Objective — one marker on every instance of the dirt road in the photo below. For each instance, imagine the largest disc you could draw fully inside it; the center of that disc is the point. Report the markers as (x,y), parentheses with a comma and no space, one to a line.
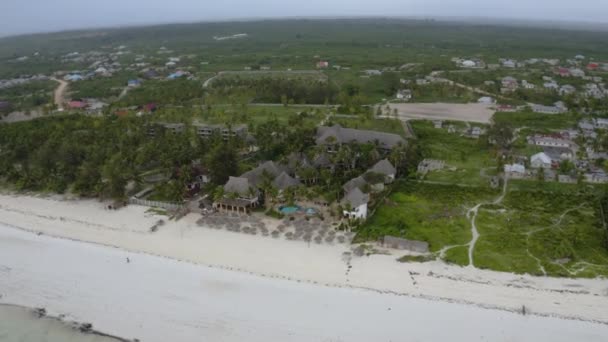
(472,112)
(60,93)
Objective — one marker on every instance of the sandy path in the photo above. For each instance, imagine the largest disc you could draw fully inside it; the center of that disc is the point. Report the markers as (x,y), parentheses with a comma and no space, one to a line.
(472,214)
(324,264)
(60,93)
(469,112)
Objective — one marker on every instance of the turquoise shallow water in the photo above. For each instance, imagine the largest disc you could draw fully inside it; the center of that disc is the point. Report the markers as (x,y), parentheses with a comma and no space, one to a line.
(23,325)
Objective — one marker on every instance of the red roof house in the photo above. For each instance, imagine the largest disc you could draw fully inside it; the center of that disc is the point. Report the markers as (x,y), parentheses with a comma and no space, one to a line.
(77,104)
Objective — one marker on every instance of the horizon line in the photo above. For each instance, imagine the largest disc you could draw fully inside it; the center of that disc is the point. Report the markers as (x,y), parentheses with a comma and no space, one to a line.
(497,21)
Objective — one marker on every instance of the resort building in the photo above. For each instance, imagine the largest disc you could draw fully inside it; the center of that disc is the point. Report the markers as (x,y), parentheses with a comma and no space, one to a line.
(334,136)
(355,204)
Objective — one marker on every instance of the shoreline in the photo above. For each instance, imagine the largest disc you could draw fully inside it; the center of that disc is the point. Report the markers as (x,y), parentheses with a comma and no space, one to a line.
(317,283)
(585,299)
(73,326)
(159,299)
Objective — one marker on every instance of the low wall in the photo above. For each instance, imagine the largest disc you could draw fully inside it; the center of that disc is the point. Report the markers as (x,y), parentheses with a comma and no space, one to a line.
(163,205)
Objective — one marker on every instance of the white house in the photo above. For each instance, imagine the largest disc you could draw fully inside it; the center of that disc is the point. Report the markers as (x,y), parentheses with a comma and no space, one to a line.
(515,170)
(404,94)
(601,123)
(550,142)
(355,204)
(567,89)
(527,85)
(487,100)
(468,64)
(540,160)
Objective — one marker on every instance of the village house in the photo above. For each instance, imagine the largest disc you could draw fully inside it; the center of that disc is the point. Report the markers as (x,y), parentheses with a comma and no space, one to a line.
(509,84)
(540,140)
(548,109)
(596,177)
(372,72)
(322,64)
(133,83)
(174,128)
(487,100)
(506,108)
(428,165)
(509,63)
(334,136)
(527,85)
(515,171)
(575,72)
(354,204)
(566,179)
(567,89)
(540,160)
(77,104)
(562,72)
(601,123)
(551,85)
(404,94)
(558,154)
(474,132)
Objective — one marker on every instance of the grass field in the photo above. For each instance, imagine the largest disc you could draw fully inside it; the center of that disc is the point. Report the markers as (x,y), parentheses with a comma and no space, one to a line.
(542,233)
(427,212)
(472,158)
(537,121)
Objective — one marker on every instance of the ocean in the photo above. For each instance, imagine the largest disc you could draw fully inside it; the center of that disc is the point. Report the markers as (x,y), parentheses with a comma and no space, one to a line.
(18,324)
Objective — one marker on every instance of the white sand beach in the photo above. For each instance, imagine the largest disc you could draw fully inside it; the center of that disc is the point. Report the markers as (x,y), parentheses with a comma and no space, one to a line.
(159,299)
(35,270)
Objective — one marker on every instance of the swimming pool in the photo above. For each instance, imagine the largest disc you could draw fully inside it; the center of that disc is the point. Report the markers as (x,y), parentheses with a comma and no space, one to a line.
(290,210)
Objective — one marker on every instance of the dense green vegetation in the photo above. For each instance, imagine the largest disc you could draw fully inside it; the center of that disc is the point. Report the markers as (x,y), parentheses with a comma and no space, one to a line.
(90,156)
(29,95)
(175,92)
(272,90)
(469,161)
(427,212)
(537,121)
(552,233)
(357,43)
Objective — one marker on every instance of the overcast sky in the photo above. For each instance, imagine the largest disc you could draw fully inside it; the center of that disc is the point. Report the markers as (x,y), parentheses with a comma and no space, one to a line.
(24,16)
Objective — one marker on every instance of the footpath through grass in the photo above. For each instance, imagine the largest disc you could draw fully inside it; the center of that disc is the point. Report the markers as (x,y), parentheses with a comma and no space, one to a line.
(426,212)
(543,233)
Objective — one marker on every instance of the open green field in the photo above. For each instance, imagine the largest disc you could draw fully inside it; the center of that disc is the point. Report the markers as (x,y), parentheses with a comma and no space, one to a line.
(472,159)
(553,231)
(537,121)
(427,212)
(543,233)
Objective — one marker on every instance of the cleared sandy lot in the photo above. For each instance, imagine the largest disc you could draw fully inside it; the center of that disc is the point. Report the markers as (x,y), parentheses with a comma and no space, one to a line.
(472,112)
